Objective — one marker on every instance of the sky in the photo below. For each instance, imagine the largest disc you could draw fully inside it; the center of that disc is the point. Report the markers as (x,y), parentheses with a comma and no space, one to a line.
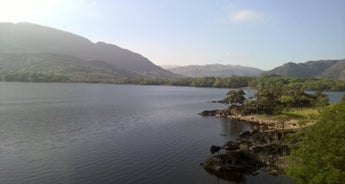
(256,33)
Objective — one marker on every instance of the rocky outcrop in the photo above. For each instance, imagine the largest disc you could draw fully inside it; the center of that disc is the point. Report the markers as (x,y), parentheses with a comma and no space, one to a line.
(251,151)
(265,147)
(261,121)
(209,113)
(234,161)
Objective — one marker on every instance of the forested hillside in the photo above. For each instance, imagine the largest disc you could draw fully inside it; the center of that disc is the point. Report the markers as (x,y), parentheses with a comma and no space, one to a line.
(325,69)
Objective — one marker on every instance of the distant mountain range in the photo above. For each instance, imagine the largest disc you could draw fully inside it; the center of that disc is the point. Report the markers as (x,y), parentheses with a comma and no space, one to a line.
(26,47)
(216,70)
(326,69)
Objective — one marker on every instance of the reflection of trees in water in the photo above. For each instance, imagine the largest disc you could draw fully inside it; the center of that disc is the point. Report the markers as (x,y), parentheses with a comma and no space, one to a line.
(235,177)
(232,128)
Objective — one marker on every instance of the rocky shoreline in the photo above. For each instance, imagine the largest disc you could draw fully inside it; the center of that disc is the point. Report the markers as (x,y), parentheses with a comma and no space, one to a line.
(259,121)
(262,148)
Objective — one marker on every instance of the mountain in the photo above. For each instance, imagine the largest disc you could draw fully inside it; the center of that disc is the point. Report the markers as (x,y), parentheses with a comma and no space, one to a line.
(75,69)
(326,69)
(216,70)
(26,39)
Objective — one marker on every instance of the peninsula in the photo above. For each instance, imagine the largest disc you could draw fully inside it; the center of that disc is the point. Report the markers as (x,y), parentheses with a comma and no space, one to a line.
(277,111)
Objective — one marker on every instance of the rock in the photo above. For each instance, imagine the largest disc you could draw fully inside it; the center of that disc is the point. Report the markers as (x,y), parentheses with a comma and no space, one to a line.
(215,149)
(236,161)
(231,146)
(209,113)
(245,134)
(215,101)
(274,172)
(263,152)
(261,148)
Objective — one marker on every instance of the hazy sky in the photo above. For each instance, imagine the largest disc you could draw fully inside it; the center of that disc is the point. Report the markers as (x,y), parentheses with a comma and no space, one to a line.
(257,33)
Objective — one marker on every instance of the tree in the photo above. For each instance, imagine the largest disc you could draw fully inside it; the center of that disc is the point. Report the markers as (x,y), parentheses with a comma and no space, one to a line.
(321,99)
(320,155)
(234,97)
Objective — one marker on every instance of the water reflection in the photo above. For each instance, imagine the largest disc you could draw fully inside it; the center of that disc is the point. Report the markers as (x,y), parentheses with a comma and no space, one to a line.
(234,177)
(232,128)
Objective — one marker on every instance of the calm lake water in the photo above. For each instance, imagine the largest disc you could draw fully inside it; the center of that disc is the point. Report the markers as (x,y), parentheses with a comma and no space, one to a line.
(97,133)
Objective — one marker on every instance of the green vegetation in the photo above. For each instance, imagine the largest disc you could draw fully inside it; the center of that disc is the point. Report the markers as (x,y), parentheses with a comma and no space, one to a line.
(230,82)
(311,84)
(34,77)
(237,82)
(96,73)
(275,94)
(318,150)
(319,156)
(305,114)
(218,82)
(235,97)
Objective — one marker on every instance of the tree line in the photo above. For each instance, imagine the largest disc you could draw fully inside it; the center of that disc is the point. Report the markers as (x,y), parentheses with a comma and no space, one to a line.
(216,82)
(274,97)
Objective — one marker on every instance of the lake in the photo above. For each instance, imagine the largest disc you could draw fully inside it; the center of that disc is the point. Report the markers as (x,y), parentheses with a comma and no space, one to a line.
(98,133)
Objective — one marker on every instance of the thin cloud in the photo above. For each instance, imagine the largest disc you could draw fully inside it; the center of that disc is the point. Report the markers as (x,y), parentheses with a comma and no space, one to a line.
(247,16)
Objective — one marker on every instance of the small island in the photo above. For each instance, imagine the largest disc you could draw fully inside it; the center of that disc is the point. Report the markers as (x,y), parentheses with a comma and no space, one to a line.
(281,114)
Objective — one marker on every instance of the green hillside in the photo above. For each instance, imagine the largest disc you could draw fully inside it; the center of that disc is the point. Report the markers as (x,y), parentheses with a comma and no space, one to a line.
(325,69)
(47,64)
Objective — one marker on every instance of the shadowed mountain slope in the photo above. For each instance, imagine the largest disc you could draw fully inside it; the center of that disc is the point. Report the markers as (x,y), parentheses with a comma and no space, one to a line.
(27,38)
